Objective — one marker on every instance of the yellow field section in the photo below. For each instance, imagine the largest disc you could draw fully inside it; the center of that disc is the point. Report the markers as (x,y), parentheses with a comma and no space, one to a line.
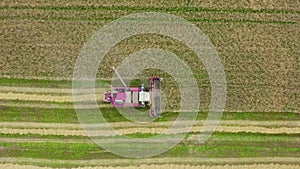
(8,89)
(256,41)
(154,130)
(49,98)
(241,123)
(292,5)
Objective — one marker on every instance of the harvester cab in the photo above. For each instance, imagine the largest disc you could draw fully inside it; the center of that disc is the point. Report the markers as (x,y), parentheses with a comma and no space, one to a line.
(125,96)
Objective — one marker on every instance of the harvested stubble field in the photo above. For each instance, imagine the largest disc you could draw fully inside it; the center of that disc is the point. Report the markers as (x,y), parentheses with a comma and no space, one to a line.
(257,41)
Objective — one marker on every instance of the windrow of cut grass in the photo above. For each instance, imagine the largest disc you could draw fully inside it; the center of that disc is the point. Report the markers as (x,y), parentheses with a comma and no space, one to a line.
(62,115)
(232,163)
(164,124)
(36,104)
(50,98)
(144,130)
(48,105)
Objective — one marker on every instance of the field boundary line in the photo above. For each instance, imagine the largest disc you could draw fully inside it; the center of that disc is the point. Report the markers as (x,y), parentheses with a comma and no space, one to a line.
(191,161)
(233,123)
(167,166)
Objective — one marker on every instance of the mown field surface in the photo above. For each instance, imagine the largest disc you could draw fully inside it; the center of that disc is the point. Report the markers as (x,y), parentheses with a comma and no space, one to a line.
(37,133)
(257,41)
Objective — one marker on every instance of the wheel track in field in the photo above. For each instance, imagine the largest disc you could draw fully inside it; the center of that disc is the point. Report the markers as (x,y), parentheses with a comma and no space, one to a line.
(240,123)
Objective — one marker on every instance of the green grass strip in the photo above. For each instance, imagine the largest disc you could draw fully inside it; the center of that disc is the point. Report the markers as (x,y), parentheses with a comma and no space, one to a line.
(85,151)
(216,136)
(61,115)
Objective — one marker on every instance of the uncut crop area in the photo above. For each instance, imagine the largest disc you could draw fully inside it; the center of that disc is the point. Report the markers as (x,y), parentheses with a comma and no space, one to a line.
(257,42)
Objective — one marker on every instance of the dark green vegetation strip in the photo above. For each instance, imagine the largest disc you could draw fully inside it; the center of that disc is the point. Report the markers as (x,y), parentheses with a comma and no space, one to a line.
(37,115)
(109,19)
(60,115)
(150,9)
(219,145)
(35,83)
(45,83)
(216,136)
(212,149)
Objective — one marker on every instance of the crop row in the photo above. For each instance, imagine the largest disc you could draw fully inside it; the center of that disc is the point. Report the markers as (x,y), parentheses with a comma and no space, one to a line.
(110,19)
(163,7)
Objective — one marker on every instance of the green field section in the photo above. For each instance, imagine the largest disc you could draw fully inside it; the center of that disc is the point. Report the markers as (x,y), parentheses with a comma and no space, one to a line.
(220,145)
(217,136)
(62,115)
